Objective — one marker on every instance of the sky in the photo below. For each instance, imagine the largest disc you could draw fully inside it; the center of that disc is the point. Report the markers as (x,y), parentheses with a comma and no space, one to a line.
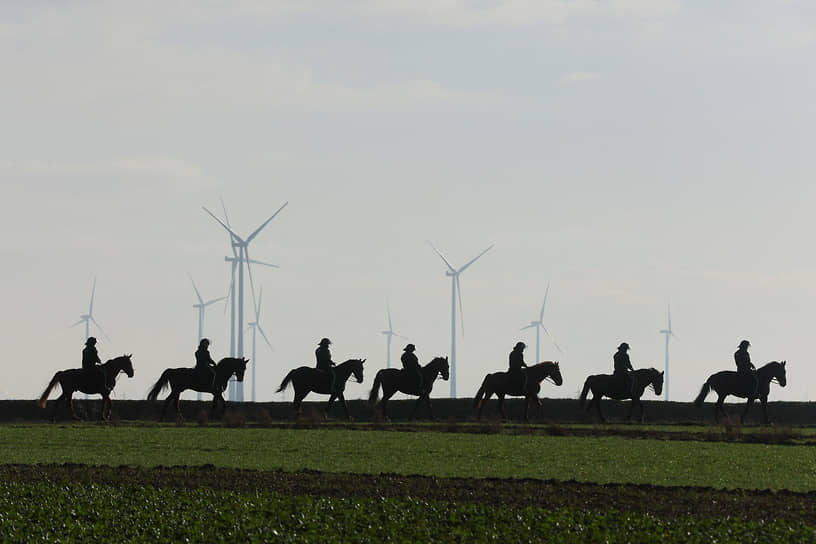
(630,154)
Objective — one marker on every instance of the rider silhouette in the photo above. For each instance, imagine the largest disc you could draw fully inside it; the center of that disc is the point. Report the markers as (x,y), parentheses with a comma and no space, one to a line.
(516,372)
(90,359)
(324,360)
(204,362)
(744,365)
(623,367)
(410,364)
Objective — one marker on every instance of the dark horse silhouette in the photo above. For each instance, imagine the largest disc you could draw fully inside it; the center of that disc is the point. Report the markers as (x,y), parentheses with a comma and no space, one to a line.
(306,379)
(395,379)
(500,384)
(90,382)
(181,379)
(729,382)
(609,385)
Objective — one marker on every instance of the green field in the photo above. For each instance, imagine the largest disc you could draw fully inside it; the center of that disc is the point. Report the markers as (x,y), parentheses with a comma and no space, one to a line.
(590,459)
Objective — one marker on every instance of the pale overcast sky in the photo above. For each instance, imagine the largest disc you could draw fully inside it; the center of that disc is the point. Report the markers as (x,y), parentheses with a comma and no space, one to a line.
(627,152)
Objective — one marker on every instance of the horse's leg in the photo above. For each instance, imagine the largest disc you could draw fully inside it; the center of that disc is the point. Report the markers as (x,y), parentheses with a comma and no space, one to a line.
(501,406)
(56,407)
(527,400)
(105,399)
(764,401)
(166,403)
(597,400)
(718,407)
(748,404)
(70,401)
(300,394)
(416,405)
(345,406)
(428,402)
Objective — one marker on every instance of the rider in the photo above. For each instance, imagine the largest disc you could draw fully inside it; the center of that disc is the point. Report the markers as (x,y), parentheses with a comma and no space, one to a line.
(410,364)
(516,372)
(744,365)
(623,367)
(204,362)
(324,360)
(90,359)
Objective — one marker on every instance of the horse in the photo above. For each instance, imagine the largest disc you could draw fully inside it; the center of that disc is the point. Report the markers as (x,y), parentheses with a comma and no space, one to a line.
(90,382)
(306,379)
(728,382)
(392,380)
(500,384)
(181,379)
(614,387)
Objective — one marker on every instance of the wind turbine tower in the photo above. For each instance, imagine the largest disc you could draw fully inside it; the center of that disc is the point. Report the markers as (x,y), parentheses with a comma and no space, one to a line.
(388,335)
(201,306)
(539,326)
(456,292)
(256,328)
(669,333)
(241,247)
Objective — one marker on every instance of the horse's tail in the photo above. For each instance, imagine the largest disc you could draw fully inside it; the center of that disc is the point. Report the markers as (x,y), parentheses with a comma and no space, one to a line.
(477,400)
(285,381)
(51,385)
(375,389)
(160,385)
(584,392)
(703,393)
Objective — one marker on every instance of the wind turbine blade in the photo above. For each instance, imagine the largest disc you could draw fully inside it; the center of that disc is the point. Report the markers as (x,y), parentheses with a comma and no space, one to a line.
(258,310)
(265,223)
(461,311)
(452,269)
(213,301)
(200,300)
(82,320)
(93,292)
(263,335)
(224,207)
(528,327)
(388,309)
(543,304)
(223,225)
(400,336)
(669,319)
(473,260)
(251,281)
(253,261)
(552,339)
(99,327)
(227,298)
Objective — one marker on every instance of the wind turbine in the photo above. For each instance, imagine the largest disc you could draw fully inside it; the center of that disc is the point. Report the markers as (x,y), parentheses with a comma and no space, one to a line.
(388,335)
(539,326)
(240,247)
(256,328)
(89,318)
(456,291)
(669,333)
(201,305)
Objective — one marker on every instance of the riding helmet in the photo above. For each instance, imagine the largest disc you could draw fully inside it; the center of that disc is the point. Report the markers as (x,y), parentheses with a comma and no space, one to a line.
(744,344)
(623,346)
(410,347)
(324,342)
(90,341)
(520,345)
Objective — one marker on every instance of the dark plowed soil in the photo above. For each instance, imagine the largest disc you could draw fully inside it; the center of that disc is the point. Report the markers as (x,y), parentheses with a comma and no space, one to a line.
(660,501)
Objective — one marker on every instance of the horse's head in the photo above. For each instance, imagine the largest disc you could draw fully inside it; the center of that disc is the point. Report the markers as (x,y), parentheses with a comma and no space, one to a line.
(233,365)
(357,369)
(121,364)
(779,372)
(440,366)
(555,374)
(657,381)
